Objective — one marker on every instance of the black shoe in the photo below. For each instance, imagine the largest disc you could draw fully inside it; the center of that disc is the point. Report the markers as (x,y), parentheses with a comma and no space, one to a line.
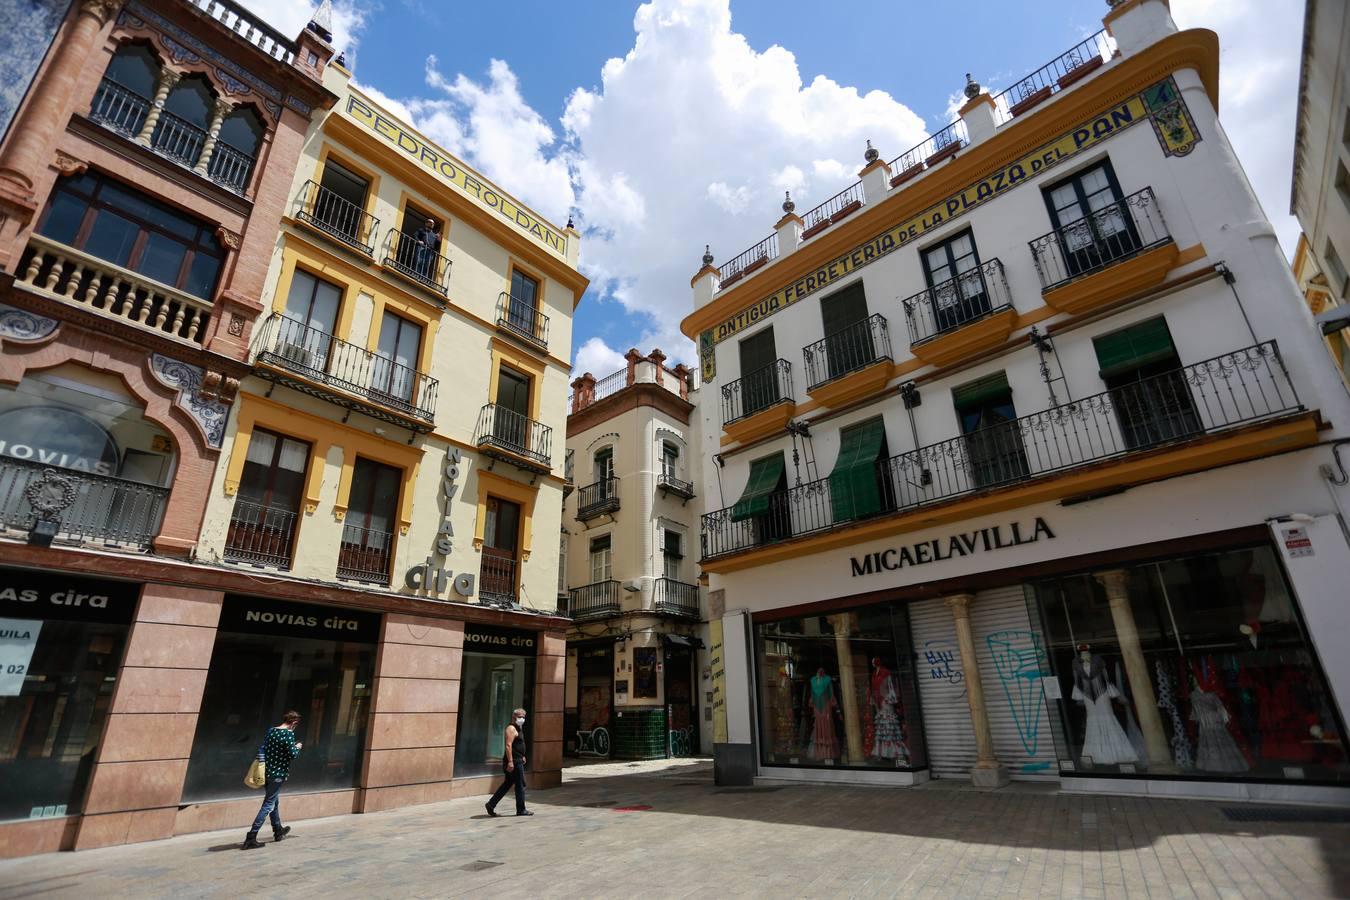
(525,813)
(281,834)
(490,811)
(251,842)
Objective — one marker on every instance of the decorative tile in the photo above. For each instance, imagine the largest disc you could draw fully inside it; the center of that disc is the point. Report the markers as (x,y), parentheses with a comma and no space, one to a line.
(209,414)
(24,327)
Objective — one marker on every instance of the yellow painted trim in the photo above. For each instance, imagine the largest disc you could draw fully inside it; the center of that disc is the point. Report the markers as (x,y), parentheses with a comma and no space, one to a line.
(408,460)
(514,357)
(412,312)
(853,386)
(273,418)
(291,259)
(1254,442)
(1188,255)
(1115,281)
(492,484)
(968,340)
(762,423)
(372,279)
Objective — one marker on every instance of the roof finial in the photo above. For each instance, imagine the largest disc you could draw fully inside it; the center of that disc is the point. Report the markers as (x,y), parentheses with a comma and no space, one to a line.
(788,205)
(707,255)
(972,87)
(321,23)
(871,153)
(569,222)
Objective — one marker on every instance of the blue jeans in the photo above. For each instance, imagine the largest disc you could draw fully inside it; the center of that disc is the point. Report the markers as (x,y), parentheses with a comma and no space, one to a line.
(271,805)
(514,778)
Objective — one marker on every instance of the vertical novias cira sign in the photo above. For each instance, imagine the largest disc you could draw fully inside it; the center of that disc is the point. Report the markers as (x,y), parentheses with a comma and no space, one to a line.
(434,576)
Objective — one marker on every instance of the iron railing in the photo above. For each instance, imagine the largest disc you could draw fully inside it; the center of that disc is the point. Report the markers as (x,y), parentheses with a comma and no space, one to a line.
(260,535)
(522,319)
(930,151)
(598,599)
(497,576)
(113,511)
(756,391)
(744,263)
(337,217)
(667,481)
(119,108)
(508,430)
(847,350)
(610,384)
(842,204)
(178,139)
(1235,389)
(1112,234)
(1062,71)
(230,168)
(950,304)
(248,27)
(331,361)
(365,554)
(569,467)
(598,498)
(413,259)
(675,598)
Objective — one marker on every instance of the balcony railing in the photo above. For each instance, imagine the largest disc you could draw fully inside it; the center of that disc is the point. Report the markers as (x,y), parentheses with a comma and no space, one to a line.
(847,350)
(178,139)
(230,168)
(930,151)
(675,598)
(69,275)
(756,257)
(594,600)
(413,259)
(598,498)
(1062,71)
(609,385)
(289,344)
(103,509)
(337,217)
(522,319)
(1112,234)
(667,481)
(844,203)
(497,576)
(248,27)
(365,554)
(958,301)
(260,535)
(569,469)
(756,391)
(119,108)
(520,435)
(1208,397)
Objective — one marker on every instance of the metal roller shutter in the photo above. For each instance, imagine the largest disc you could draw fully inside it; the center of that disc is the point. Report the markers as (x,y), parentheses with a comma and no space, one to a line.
(942,690)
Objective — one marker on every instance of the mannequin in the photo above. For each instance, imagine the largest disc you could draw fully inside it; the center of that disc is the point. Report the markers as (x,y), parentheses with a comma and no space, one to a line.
(889,742)
(1215,749)
(824,742)
(1103,740)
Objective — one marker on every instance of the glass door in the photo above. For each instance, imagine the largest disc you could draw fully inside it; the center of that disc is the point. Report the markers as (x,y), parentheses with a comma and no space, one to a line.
(397,356)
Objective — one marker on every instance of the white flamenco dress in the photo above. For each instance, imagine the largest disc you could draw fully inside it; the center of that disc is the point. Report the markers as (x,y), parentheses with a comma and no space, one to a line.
(1104,741)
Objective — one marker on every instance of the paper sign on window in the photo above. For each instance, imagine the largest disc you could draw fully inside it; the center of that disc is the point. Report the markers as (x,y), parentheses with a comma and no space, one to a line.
(18,637)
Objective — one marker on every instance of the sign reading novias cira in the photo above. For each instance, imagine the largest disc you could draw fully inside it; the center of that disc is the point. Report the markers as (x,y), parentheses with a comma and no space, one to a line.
(967,543)
(434,576)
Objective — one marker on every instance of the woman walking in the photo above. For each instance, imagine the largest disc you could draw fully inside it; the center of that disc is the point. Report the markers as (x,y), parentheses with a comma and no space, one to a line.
(513,764)
(279,749)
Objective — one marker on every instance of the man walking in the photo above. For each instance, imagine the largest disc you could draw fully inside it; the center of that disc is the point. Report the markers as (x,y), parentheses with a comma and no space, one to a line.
(279,749)
(513,764)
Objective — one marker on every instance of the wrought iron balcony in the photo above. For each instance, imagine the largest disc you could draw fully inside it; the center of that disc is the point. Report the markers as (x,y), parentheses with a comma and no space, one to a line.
(748,261)
(847,350)
(1073,65)
(365,554)
(178,139)
(1104,237)
(675,598)
(595,600)
(497,577)
(358,378)
(111,511)
(230,168)
(119,108)
(597,499)
(415,260)
(757,391)
(337,217)
(937,147)
(1197,400)
(260,535)
(668,482)
(609,385)
(835,209)
(958,301)
(522,320)
(569,472)
(522,437)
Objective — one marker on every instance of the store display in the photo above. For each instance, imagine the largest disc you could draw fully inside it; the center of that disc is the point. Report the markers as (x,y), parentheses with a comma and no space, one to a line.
(1167,700)
(1131,724)
(888,739)
(824,742)
(1104,743)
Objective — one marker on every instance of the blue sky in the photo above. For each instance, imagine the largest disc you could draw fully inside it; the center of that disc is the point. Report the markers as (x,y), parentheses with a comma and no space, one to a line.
(708,109)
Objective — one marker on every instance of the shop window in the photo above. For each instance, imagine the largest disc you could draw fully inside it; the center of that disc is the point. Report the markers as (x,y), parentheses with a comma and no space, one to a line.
(368,528)
(956,281)
(396,357)
(858,487)
(492,685)
(501,536)
(644,672)
(838,690)
(759,379)
(989,423)
(271,657)
(763,506)
(602,559)
(1234,689)
(848,342)
(267,506)
(126,228)
(1148,388)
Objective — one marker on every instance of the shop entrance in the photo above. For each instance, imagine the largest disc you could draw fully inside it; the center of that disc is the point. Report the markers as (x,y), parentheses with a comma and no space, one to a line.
(681,701)
(595,700)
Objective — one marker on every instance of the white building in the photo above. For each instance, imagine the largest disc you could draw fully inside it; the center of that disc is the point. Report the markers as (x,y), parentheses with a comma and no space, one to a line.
(629,578)
(1029,457)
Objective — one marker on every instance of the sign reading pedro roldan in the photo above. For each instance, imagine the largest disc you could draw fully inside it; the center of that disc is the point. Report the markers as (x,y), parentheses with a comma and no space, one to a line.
(259,615)
(506,641)
(44,595)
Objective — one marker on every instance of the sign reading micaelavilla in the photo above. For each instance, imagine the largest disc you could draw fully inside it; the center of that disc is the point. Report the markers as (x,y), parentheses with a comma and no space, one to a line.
(966,543)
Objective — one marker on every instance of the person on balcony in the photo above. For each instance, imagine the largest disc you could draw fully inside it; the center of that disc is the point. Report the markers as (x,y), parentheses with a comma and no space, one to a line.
(428,248)
(513,764)
(279,749)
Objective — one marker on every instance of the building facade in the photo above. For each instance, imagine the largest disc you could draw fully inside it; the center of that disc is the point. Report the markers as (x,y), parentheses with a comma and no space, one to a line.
(1079,518)
(1328,308)
(637,674)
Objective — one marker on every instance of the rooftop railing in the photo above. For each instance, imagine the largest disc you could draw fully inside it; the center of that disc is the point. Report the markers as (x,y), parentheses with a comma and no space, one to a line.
(248,27)
(928,152)
(610,384)
(744,263)
(1074,64)
(842,204)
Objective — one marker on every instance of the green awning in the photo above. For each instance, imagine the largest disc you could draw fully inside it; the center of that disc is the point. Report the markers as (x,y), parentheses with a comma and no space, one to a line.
(979,392)
(1133,348)
(765,474)
(853,483)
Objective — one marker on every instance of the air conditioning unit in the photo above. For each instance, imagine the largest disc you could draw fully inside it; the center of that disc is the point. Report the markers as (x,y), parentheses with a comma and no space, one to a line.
(296,354)
(633,585)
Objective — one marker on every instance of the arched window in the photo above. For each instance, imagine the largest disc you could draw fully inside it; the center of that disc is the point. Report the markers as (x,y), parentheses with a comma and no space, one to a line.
(236,149)
(182,126)
(123,98)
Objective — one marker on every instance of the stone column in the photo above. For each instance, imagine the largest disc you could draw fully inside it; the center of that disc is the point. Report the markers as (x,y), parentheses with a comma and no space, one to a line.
(988,771)
(222,109)
(682,373)
(167,79)
(142,764)
(547,738)
(848,688)
(1115,581)
(410,751)
(659,360)
(633,357)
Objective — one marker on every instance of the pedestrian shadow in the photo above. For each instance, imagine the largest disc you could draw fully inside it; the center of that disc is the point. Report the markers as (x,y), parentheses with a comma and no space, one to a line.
(220,848)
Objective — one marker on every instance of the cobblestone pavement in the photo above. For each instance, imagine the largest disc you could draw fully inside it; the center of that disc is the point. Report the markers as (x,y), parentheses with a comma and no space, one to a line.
(625,830)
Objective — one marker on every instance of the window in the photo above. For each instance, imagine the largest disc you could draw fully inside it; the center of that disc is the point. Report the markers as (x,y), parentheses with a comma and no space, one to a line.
(368,528)
(858,487)
(759,380)
(134,67)
(419,244)
(397,356)
(764,502)
(562,565)
(501,535)
(511,415)
(604,464)
(524,309)
(601,560)
(989,422)
(181,132)
(848,341)
(491,685)
(341,202)
(123,98)
(1148,387)
(1336,271)
(124,227)
(955,282)
(1093,226)
(236,149)
(267,505)
(670,460)
(306,338)
(672,553)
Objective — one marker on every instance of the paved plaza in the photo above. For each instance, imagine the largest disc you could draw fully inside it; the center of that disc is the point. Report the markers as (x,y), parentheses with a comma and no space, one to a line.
(664,830)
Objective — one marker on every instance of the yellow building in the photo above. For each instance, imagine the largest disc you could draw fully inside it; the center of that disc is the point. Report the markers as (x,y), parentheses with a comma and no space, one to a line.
(1323,302)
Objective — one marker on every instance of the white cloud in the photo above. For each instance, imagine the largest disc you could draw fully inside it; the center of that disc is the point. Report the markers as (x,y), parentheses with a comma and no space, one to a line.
(598,358)
(291,16)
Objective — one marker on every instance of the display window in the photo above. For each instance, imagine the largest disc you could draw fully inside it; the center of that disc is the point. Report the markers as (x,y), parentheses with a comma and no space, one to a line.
(1196,666)
(270,657)
(497,676)
(61,642)
(838,690)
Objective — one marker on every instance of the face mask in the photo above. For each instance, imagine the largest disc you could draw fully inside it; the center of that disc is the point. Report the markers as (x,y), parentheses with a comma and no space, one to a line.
(520,722)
